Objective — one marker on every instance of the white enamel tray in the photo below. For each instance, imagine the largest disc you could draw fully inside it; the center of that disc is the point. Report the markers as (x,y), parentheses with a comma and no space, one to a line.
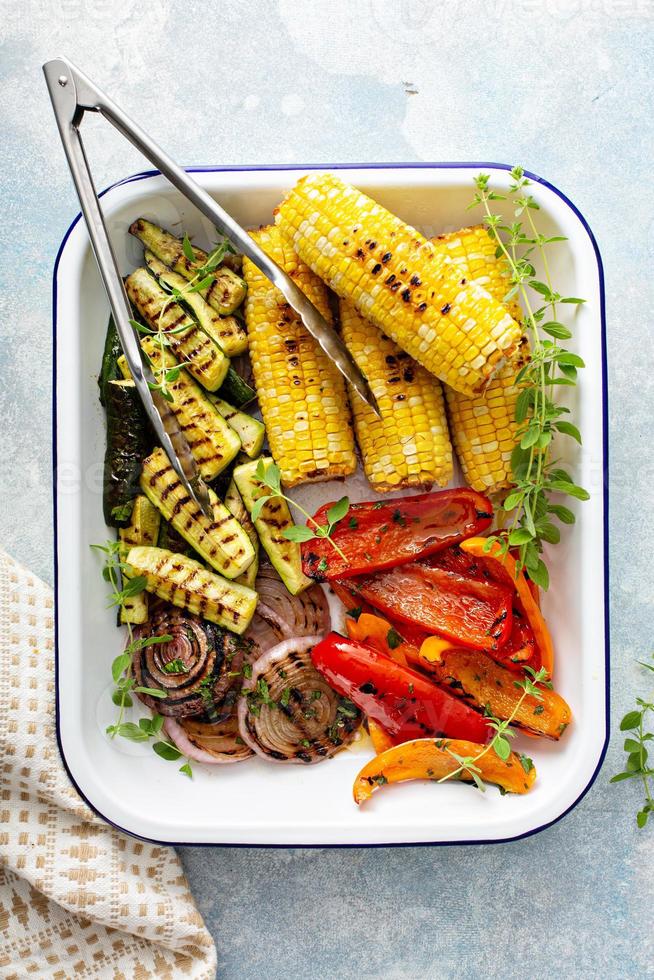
(255,803)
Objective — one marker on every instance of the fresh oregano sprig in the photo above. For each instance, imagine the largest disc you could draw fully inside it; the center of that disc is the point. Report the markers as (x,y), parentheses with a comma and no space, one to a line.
(270,477)
(121,668)
(536,476)
(500,743)
(635,745)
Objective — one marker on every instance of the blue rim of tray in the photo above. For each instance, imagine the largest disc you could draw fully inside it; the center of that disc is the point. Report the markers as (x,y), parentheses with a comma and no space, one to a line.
(146,174)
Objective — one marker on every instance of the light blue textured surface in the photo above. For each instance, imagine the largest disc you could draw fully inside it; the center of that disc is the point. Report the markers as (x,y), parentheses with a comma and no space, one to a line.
(563,87)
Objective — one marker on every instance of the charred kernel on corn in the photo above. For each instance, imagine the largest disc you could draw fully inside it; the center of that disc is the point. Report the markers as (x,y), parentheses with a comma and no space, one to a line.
(301,393)
(484,432)
(472,250)
(399,280)
(410,445)
(483,427)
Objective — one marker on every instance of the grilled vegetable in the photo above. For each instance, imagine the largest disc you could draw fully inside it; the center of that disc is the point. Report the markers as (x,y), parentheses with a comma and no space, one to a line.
(235,390)
(504,568)
(187,584)
(143,529)
(381,534)
(227,290)
(273,520)
(477,614)
(128,441)
(203,359)
(484,684)
(409,446)
(109,370)
(251,432)
(213,442)
(234,504)
(226,331)
(426,758)
(197,667)
(405,703)
(484,428)
(301,392)
(171,540)
(289,713)
(222,543)
(399,280)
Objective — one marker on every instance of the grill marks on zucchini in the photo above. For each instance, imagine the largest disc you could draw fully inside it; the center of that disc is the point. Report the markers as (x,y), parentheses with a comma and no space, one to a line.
(128,441)
(226,331)
(188,585)
(274,518)
(223,543)
(226,292)
(213,442)
(206,361)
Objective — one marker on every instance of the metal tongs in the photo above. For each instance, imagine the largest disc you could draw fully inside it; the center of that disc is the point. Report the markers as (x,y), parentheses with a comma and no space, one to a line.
(73,94)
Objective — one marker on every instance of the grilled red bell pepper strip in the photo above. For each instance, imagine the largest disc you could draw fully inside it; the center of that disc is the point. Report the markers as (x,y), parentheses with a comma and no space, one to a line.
(381,534)
(401,700)
(521,648)
(476,614)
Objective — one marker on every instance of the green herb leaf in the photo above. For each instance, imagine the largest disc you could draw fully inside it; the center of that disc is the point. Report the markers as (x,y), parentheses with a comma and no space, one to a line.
(166,751)
(120,665)
(393,639)
(338,510)
(186,769)
(187,249)
(298,533)
(258,506)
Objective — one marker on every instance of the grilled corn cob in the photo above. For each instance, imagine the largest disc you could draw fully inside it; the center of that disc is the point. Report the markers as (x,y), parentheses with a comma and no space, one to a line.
(399,280)
(187,584)
(483,428)
(410,445)
(204,359)
(473,251)
(301,393)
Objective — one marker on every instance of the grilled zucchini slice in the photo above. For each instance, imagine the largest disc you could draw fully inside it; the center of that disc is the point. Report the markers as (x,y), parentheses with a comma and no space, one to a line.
(226,292)
(235,390)
(213,442)
(251,432)
(109,370)
(143,529)
(273,520)
(222,543)
(188,584)
(227,331)
(202,357)
(234,504)
(128,441)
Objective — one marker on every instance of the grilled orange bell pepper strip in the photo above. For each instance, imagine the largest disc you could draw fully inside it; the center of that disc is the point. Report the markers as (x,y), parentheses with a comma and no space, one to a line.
(379,737)
(475,546)
(428,758)
(472,676)
(378,633)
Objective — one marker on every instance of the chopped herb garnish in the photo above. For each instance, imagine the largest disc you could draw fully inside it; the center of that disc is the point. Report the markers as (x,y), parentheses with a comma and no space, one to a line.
(394,639)
(176,666)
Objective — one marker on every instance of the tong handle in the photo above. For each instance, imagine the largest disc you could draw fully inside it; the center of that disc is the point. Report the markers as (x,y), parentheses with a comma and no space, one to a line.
(71,95)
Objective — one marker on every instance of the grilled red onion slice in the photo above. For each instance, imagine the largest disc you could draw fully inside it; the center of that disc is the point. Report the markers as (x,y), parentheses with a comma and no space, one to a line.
(290,713)
(203,740)
(306,614)
(196,669)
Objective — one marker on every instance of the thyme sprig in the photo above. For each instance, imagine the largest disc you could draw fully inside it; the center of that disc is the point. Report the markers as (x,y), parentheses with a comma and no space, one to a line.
(536,476)
(500,743)
(121,668)
(270,477)
(635,745)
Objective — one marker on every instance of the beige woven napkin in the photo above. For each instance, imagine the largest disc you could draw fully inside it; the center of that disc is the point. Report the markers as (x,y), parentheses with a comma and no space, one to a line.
(77,899)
